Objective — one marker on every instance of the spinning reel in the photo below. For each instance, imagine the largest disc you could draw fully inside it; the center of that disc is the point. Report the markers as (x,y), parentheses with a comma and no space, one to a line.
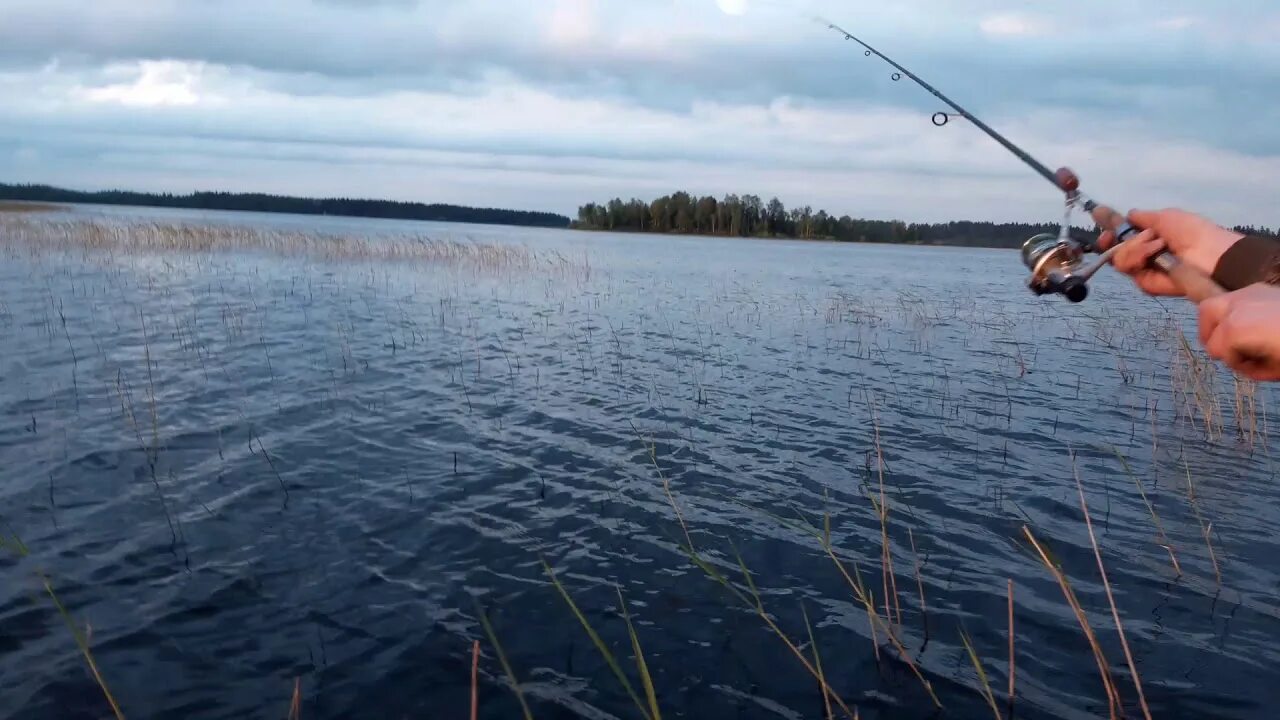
(1059,264)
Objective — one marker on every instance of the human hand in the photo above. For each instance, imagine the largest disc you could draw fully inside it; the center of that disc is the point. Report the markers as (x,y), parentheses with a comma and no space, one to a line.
(1195,240)
(1242,329)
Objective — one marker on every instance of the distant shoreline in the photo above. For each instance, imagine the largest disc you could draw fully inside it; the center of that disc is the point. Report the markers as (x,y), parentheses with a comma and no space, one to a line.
(258,202)
(992,243)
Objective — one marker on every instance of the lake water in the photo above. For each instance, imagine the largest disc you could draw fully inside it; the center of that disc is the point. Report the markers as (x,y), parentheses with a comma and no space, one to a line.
(238,470)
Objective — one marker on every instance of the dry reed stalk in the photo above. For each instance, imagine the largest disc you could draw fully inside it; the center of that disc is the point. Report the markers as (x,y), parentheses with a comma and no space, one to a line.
(889,577)
(1106,585)
(295,702)
(864,596)
(1155,519)
(42,235)
(1205,530)
(1246,409)
(1113,697)
(867,599)
(1012,666)
(1198,384)
(924,611)
(22,206)
(475,680)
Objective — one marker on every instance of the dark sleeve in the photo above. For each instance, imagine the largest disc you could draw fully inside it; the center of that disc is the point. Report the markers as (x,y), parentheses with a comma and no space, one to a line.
(1253,259)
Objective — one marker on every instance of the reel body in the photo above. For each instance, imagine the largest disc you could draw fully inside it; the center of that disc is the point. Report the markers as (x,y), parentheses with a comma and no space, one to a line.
(1058,267)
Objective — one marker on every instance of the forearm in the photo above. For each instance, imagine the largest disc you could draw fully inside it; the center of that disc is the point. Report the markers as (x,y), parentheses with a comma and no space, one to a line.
(1253,259)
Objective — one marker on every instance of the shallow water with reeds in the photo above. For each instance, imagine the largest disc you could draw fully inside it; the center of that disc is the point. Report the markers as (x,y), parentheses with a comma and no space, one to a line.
(242,456)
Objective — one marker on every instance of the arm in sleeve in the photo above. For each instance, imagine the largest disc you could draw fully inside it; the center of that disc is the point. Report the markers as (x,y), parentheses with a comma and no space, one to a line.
(1253,259)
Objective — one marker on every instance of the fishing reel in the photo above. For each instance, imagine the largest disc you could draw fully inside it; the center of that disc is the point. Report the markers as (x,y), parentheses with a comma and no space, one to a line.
(1059,265)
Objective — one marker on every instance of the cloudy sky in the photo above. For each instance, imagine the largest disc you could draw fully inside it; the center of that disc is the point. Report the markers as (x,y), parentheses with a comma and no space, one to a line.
(545,104)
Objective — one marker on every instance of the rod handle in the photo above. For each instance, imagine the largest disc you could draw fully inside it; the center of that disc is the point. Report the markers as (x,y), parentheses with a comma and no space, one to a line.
(1196,285)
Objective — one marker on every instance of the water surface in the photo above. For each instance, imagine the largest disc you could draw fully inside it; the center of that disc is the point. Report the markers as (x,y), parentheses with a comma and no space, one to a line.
(239,470)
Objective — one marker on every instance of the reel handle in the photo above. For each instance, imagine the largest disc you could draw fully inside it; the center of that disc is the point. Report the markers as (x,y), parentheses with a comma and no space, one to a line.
(1196,285)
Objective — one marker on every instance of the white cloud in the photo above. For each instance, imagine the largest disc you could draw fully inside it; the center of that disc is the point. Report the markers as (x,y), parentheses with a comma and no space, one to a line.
(523,146)
(157,83)
(1013,25)
(547,104)
(572,22)
(1177,22)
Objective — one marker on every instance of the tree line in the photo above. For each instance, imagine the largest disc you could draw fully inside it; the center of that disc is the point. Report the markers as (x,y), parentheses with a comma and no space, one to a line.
(750,216)
(258,202)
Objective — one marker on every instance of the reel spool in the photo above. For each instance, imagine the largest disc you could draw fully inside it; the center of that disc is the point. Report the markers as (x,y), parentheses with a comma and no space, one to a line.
(1057,267)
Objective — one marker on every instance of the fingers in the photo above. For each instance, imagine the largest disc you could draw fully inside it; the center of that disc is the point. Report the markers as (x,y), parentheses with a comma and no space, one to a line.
(1135,254)
(1106,240)
(1144,219)
(1212,312)
(1242,331)
(1219,346)
(1133,258)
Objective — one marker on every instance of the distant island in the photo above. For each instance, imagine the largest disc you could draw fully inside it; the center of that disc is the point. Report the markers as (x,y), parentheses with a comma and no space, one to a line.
(257,202)
(749,216)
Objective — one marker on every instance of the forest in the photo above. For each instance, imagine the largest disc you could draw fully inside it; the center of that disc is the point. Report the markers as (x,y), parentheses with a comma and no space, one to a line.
(257,202)
(749,216)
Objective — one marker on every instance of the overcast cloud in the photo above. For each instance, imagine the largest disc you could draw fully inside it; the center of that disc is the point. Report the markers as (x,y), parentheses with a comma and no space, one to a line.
(546,104)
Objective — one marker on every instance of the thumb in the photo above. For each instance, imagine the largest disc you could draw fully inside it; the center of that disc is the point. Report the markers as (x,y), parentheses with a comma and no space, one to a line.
(1144,219)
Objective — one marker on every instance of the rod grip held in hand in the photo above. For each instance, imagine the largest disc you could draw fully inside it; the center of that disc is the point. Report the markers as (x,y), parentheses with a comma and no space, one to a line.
(1196,285)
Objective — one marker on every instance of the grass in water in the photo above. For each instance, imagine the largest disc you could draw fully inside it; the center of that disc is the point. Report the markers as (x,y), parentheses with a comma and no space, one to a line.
(506,665)
(642,667)
(982,673)
(864,597)
(1012,666)
(82,642)
(754,602)
(19,548)
(1104,669)
(475,680)
(295,702)
(596,640)
(817,661)
(1106,585)
(1206,530)
(1155,519)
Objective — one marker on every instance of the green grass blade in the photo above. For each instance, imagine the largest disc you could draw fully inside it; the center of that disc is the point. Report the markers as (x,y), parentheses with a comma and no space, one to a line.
(641,666)
(746,574)
(82,642)
(817,662)
(982,673)
(596,640)
(506,666)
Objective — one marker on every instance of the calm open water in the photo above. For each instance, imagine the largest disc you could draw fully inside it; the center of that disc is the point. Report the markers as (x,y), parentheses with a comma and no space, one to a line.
(343,463)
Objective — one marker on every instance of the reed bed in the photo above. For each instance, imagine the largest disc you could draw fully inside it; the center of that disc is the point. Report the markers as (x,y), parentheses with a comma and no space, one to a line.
(42,235)
(21,206)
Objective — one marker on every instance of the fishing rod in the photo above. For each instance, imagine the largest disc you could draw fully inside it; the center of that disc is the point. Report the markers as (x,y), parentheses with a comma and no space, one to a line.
(1057,263)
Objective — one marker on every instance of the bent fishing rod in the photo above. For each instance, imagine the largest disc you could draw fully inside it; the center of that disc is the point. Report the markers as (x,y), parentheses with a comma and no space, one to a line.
(1057,263)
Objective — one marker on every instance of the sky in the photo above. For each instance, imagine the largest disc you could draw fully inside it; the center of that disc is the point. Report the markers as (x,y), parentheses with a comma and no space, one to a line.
(548,104)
